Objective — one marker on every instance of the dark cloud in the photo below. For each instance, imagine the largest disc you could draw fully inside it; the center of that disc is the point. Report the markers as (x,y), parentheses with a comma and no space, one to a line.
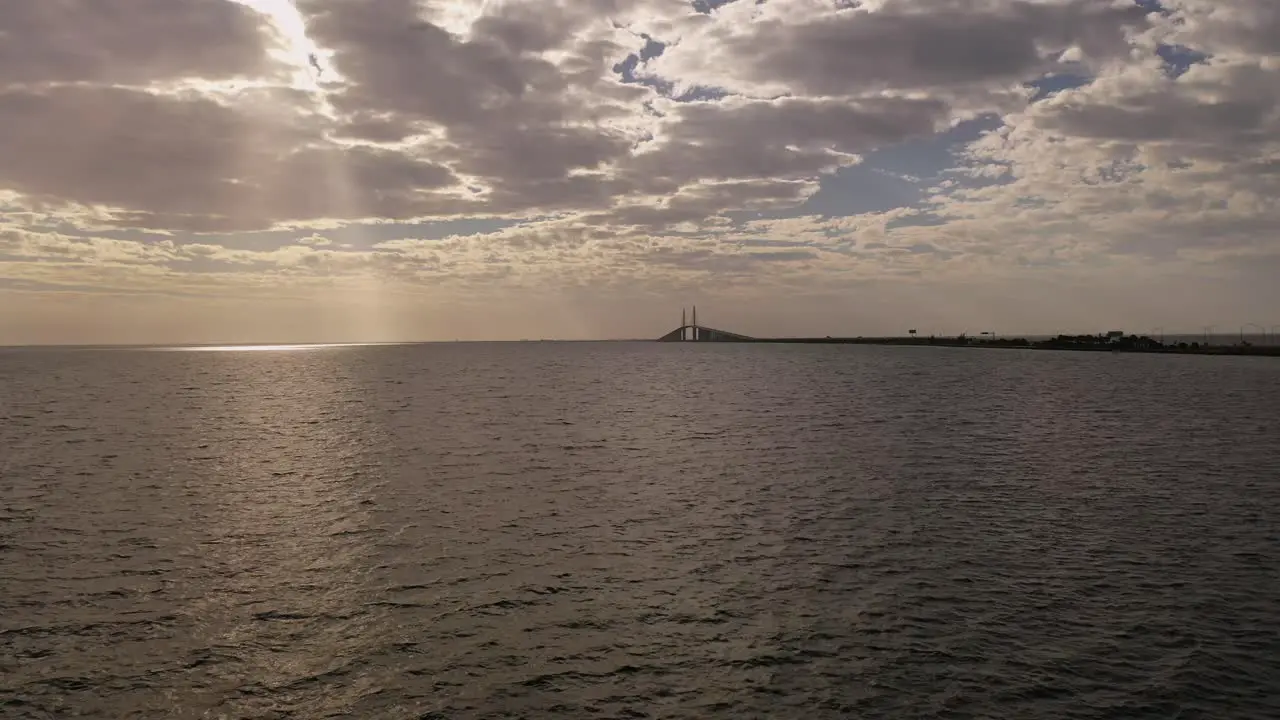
(524,124)
(1222,111)
(1162,117)
(398,62)
(128,41)
(535,153)
(524,29)
(124,148)
(938,43)
(375,128)
(191,162)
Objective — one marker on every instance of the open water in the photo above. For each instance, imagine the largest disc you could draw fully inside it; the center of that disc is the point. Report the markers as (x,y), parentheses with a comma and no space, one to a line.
(638,530)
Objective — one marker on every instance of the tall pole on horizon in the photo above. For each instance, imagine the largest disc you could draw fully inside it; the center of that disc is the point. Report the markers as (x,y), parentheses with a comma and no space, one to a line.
(684,324)
(695,323)
(1263,329)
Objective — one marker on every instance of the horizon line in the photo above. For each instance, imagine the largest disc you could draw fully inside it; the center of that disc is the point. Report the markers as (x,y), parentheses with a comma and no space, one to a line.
(297,345)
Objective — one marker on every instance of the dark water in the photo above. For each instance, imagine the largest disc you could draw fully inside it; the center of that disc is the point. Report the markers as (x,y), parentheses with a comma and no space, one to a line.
(638,530)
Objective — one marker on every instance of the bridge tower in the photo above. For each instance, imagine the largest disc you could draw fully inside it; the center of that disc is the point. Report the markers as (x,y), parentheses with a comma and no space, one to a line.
(691,331)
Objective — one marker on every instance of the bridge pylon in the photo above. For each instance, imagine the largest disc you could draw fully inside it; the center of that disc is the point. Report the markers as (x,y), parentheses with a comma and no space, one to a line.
(691,331)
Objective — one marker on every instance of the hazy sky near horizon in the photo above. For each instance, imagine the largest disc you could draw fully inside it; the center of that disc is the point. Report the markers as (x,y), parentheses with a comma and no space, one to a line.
(364,170)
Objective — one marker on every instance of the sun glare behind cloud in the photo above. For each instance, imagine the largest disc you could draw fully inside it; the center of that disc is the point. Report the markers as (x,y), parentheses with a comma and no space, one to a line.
(298,50)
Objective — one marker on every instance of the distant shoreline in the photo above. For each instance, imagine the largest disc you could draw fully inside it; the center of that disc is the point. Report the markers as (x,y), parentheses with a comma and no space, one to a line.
(1082,343)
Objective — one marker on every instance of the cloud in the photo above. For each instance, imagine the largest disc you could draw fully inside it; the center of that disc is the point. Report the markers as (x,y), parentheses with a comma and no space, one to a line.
(1179,168)
(133,42)
(519,111)
(525,105)
(722,140)
(1242,27)
(896,44)
(1212,108)
(18,244)
(661,145)
(193,162)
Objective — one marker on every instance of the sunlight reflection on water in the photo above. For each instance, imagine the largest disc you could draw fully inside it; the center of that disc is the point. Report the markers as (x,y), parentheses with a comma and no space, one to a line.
(263,348)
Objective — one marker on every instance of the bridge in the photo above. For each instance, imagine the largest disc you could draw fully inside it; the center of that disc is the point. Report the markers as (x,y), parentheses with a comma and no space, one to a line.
(693,332)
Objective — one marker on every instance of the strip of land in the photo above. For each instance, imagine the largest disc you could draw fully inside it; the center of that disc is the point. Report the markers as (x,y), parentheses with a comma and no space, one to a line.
(1079,343)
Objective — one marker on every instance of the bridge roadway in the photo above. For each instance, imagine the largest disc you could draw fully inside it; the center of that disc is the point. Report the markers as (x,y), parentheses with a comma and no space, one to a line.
(698,333)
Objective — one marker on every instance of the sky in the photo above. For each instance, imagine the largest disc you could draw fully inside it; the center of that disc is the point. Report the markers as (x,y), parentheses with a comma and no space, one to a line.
(222,171)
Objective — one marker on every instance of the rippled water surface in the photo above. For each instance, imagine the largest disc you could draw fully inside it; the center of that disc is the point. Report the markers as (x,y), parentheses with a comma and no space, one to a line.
(638,530)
